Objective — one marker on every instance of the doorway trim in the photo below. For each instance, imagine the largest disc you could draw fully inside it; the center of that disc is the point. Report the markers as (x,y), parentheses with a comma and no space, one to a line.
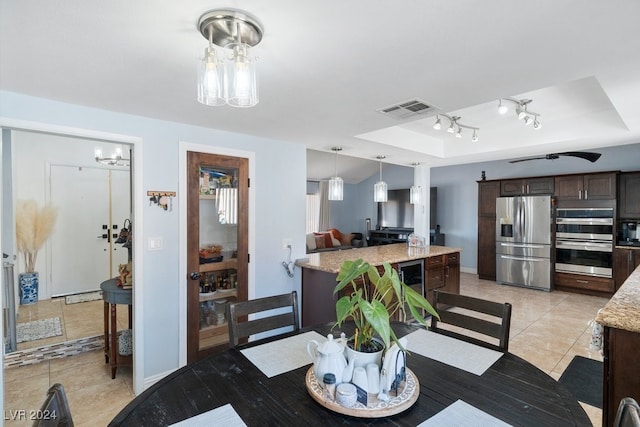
(183,147)
(138,202)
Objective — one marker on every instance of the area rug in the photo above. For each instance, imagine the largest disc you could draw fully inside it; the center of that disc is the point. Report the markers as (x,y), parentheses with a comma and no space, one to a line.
(38,329)
(583,378)
(84,297)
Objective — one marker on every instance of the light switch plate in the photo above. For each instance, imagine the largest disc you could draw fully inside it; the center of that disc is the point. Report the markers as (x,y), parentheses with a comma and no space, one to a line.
(286,243)
(155,243)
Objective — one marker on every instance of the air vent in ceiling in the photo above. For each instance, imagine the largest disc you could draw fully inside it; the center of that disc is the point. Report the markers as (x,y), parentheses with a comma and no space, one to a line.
(407,109)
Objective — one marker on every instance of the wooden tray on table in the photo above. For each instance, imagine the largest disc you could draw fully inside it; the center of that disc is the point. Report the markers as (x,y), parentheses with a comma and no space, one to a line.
(375,408)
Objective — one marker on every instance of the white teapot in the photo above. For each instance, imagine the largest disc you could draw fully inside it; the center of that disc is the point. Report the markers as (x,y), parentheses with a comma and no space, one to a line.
(327,357)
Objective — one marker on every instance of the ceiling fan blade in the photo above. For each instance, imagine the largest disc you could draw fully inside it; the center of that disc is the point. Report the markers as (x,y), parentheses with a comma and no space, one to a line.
(526,160)
(592,157)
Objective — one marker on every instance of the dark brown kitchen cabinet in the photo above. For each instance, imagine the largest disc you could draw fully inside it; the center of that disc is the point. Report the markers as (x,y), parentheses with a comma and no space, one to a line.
(488,191)
(629,195)
(596,186)
(527,186)
(452,273)
(442,273)
(620,365)
(624,262)
(579,283)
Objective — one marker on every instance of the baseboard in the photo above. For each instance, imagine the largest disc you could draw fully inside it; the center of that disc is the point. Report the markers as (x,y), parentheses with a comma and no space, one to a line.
(149,381)
(469,270)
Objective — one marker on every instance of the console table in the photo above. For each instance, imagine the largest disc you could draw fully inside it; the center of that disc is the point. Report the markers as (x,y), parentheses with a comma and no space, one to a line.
(112,296)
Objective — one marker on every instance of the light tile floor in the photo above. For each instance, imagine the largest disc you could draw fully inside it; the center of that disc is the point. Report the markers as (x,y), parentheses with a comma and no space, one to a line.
(547,329)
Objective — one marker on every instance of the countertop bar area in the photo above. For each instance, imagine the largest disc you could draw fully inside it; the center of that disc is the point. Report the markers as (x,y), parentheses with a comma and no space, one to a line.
(441,270)
(374,255)
(621,320)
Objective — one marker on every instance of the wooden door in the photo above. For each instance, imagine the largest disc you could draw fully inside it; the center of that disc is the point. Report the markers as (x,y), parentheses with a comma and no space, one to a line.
(217,247)
(569,187)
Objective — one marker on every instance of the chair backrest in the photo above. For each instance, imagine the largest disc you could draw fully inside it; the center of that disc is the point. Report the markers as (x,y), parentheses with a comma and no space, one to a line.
(55,409)
(240,328)
(628,414)
(473,318)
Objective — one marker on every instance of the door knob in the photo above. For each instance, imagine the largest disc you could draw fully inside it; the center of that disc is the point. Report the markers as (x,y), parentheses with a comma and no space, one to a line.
(194,275)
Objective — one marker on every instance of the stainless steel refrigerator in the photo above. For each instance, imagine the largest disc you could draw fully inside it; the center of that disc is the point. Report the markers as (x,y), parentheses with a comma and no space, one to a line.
(523,241)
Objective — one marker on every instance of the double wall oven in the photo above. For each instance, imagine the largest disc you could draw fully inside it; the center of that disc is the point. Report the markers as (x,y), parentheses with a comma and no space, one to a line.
(584,241)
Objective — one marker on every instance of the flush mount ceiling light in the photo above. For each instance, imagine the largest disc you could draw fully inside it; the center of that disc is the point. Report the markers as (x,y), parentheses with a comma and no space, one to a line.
(522,111)
(228,77)
(380,187)
(116,158)
(336,185)
(415,191)
(455,126)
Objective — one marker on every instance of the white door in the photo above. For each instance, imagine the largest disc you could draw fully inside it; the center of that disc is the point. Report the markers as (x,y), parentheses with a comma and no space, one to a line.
(80,254)
(120,210)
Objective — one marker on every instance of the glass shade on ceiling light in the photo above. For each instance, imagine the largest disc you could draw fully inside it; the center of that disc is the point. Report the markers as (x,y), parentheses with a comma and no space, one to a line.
(380,191)
(414,194)
(459,133)
(336,188)
(474,138)
(450,128)
(210,81)
(528,120)
(240,77)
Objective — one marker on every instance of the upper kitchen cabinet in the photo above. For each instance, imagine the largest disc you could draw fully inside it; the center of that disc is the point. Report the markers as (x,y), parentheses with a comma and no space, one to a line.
(596,186)
(629,195)
(527,186)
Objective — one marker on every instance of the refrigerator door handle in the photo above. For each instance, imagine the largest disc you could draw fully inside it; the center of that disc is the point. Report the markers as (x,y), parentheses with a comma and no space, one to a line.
(515,258)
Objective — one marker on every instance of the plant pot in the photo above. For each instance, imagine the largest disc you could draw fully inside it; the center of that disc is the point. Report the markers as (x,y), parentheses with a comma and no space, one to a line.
(364,358)
(28,283)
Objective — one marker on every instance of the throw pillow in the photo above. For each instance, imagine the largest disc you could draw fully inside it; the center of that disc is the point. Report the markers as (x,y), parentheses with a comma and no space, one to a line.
(328,240)
(311,242)
(346,239)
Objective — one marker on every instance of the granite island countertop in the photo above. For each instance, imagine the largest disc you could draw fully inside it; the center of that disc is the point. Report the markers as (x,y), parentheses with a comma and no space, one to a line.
(374,255)
(623,309)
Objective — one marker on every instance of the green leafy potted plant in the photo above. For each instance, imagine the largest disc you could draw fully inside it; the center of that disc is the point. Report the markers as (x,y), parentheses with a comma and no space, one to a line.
(372,307)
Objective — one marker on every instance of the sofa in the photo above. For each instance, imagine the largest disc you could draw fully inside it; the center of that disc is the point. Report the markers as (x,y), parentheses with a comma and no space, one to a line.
(333,240)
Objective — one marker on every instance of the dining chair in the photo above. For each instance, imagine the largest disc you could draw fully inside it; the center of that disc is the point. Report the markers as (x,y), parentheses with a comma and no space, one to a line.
(489,318)
(240,328)
(628,414)
(55,409)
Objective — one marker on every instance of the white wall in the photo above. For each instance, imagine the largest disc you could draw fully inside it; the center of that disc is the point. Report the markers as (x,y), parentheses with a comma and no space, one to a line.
(280,208)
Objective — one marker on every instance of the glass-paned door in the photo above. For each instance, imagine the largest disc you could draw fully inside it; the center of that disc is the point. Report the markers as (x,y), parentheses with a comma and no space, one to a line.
(217,247)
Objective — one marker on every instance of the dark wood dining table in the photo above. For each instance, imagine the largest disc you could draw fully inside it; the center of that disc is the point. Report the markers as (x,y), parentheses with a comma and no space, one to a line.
(512,390)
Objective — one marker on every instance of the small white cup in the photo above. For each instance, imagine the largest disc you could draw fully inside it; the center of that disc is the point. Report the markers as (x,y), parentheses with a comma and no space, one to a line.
(373,378)
(360,378)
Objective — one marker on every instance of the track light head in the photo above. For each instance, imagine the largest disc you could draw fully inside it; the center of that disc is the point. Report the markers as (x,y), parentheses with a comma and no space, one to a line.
(528,120)
(536,124)
(450,128)
(459,132)
(437,125)
(502,108)
(474,138)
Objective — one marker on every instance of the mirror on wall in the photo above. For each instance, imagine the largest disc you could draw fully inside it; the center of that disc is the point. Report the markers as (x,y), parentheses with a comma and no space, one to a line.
(66,228)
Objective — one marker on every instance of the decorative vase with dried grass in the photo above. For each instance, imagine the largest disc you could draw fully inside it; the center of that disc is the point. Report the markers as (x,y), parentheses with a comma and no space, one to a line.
(33,227)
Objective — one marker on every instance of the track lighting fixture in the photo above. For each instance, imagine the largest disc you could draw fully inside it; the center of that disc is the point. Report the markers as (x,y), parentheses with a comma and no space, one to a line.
(455,127)
(522,111)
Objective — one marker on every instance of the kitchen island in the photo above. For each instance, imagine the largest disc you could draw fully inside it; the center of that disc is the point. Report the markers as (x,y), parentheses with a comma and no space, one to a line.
(621,320)
(440,270)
